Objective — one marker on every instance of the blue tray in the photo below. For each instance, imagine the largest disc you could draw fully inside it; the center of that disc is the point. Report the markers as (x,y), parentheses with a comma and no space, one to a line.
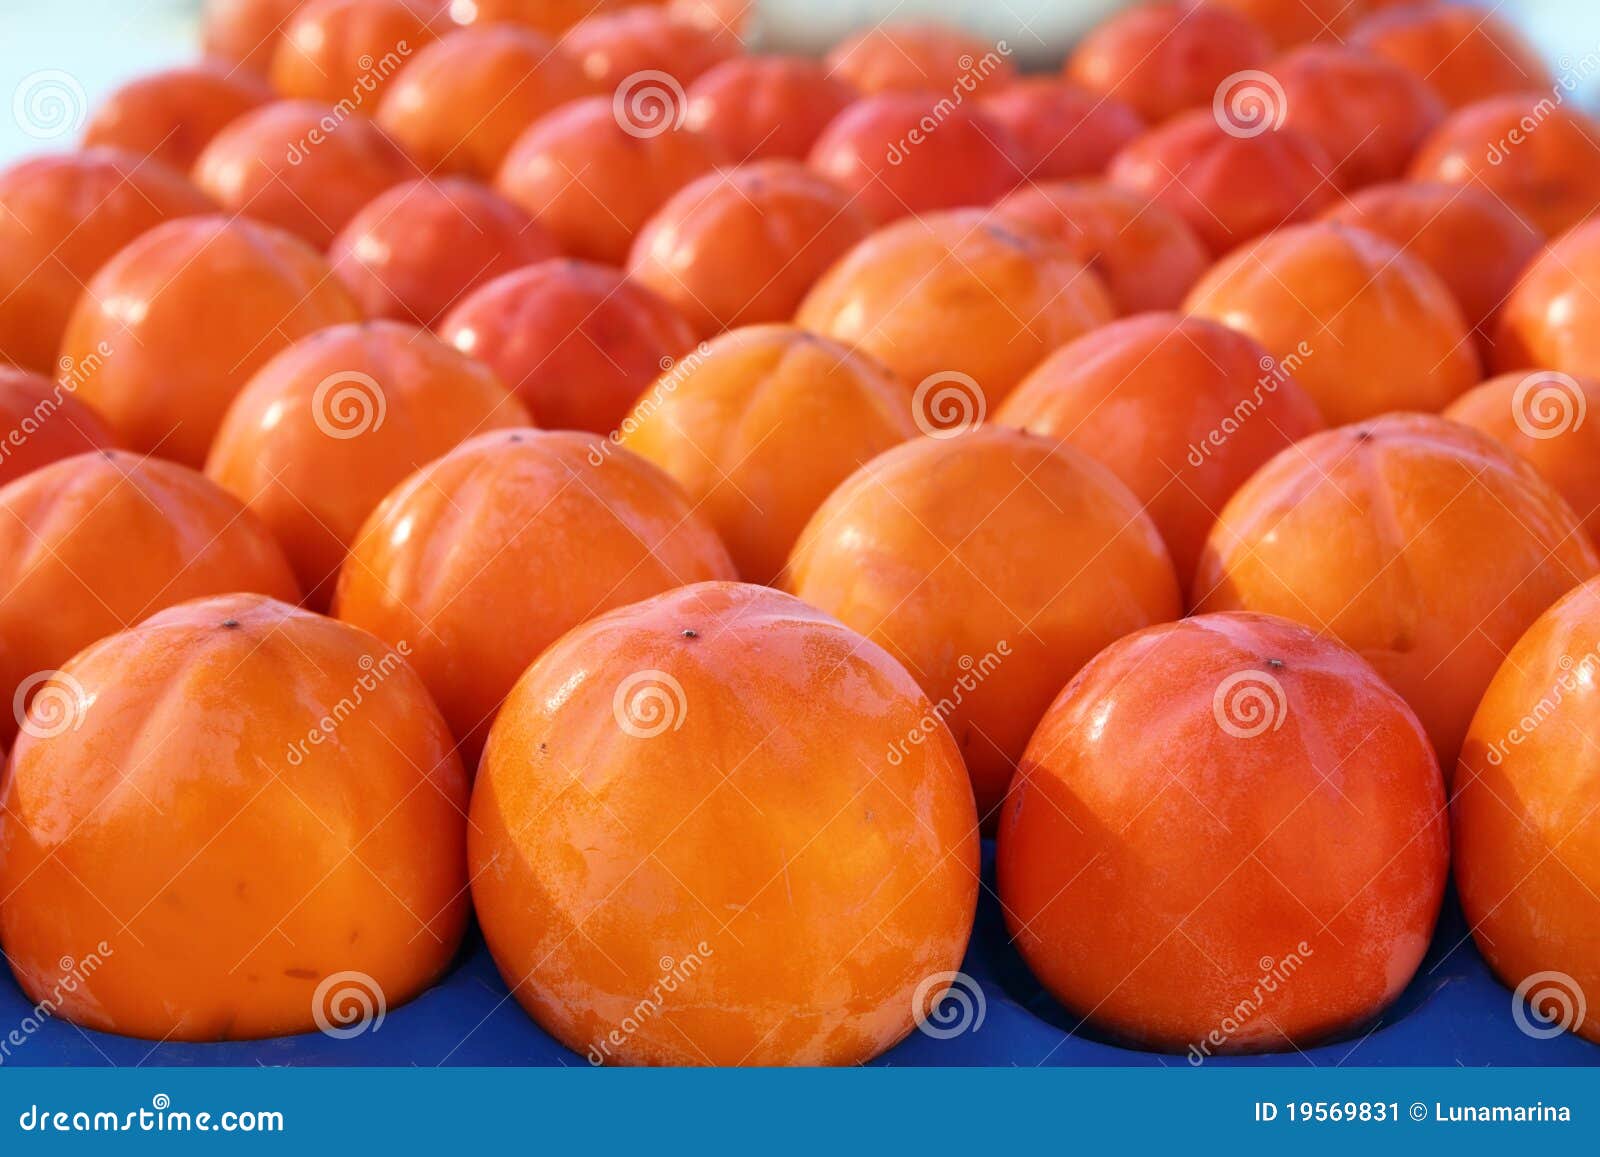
(1454,1012)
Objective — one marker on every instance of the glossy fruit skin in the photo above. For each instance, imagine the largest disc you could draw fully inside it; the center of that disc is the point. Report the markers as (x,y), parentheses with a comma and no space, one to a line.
(939,551)
(613,47)
(1473,241)
(1526,839)
(459,103)
(482,558)
(245,32)
(282,166)
(417,250)
(1289,23)
(919,56)
(97,542)
(1167,58)
(765,107)
(761,427)
(63,216)
(1365,328)
(592,183)
(1233,188)
(1546,173)
(881,152)
(161,382)
(801,851)
(1062,129)
(1466,55)
(1417,541)
(1225,811)
(349,50)
(551,17)
(1182,410)
(172,115)
(577,342)
(956,292)
(330,425)
(743,246)
(42,421)
(1551,318)
(1543,417)
(1369,114)
(189,783)
(1147,255)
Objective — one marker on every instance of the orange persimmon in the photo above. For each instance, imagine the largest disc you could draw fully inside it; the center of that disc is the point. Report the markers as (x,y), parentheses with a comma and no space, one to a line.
(336,51)
(1552,318)
(920,56)
(173,115)
(1062,129)
(42,421)
(1464,53)
(765,107)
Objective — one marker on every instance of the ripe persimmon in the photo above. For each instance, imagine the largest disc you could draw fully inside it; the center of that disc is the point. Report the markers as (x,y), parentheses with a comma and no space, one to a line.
(920,56)
(992,564)
(172,115)
(593,179)
(92,544)
(1289,23)
(1552,318)
(1181,409)
(614,48)
(300,166)
(162,381)
(1062,129)
(551,17)
(349,50)
(1167,58)
(1229,187)
(1146,254)
(415,251)
(63,216)
(1464,53)
(765,107)
(256,808)
(1228,835)
(1526,819)
(43,421)
(245,32)
(1419,542)
(578,343)
(957,293)
(1365,328)
(482,558)
(744,245)
(806,890)
(335,421)
(459,103)
(761,427)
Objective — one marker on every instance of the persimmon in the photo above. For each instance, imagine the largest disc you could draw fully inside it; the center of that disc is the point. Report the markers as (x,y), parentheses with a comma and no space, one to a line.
(761,427)
(1289,23)
(459,103)
(1062,129)
(957,293)
(551,17)
(94,543)
(578,343)
(1167,58)
(899,153)
(765,107)
(745,245)
(1552,318)
(245,32)
(171,116)
(993,565)
(1364,327)
(1474,242)
(336,51)
(483,557)
(415,251)
(806,892)
(42,421)
(334,422)
(63,216)
(614,48)
(161,380)
(1147,255)
(1419,542)
(592,179)
(1230,184)
(920,56)
(1369,114)
(1535,156)
(1228,835)
(1527,837)
(1182,410)
(1465,54)
(300,166)
(258,806)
